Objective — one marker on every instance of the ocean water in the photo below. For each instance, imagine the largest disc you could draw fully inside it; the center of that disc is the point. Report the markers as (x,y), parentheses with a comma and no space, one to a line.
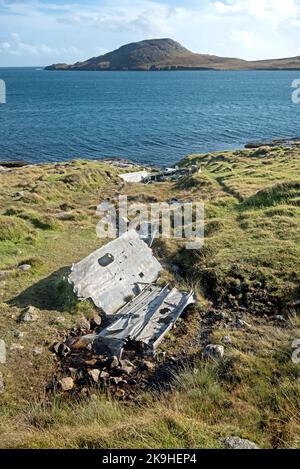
(155,117)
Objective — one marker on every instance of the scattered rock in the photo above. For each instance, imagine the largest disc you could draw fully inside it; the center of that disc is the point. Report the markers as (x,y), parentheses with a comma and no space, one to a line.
(120,393)
(227,340)
(25,267)
(37,351)
(19,334)
(149,366)
(96,321)
(16,348)
(213,351)
(92,362)
(2,387)
(67,384)
(61,349)
(279,318)
(126,367)
(29,315)
(234,442)
(127,370)
(64,215)
(94,374)
(84,325)
(4,170)
(117,380)
(104,375)
(18,195)
(241,324)
(2,352)
(114,362)
(84,342)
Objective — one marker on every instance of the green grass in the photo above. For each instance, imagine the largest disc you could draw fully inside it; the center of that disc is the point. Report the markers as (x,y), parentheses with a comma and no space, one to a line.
(249,263)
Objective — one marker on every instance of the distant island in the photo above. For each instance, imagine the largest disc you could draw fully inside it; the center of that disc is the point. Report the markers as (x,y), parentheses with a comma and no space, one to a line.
(167,54)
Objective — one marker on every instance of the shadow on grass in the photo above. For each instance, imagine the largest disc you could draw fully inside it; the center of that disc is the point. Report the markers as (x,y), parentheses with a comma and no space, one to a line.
(53,293)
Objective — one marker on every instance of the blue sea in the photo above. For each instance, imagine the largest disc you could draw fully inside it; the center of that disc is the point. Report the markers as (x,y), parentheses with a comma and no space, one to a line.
(154,117)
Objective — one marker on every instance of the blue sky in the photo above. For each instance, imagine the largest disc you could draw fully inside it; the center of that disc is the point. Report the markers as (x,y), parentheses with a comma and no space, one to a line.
(41,32)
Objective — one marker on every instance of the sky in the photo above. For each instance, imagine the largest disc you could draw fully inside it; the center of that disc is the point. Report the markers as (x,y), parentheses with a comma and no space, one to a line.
(42,32)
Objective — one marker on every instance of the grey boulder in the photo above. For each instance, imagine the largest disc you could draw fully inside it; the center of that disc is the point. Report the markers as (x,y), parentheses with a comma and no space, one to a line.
(234,442)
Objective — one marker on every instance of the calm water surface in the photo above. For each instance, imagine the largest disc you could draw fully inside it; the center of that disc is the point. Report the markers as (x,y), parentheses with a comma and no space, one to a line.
(146,117)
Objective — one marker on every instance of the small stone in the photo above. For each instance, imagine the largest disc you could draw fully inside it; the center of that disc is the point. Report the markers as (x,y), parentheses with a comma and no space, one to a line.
(19,334)
(234,442)
(120,393)
(126,363)
(97,320)
(16,348)
(84,325)
(126,367)
(150,366)
(279,318)
(92,362)
(25,267)
(213,351)
(18,195)
(2,387)
(115,362)
(84,342)
(117,380)
(63,215)
(61,349)
(240,324)
(67,384)
(29,315)
(127,370)
(2,352)
(104,375)
(227,340)
(37,351)
(94,374)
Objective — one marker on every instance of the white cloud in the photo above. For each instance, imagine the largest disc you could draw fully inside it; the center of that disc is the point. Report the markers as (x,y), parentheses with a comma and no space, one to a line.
(275,11)
(245,39)
(148,17)
(14,45)
(68,32)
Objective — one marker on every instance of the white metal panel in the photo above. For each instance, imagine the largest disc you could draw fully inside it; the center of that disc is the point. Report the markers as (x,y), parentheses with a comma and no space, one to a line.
(134,177)
(112,286)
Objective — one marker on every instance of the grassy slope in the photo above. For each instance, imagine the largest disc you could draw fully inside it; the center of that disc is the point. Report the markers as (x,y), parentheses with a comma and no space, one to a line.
(249,267)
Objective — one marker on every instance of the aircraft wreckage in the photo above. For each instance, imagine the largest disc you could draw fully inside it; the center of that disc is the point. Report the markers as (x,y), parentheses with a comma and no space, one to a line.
(120,278)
